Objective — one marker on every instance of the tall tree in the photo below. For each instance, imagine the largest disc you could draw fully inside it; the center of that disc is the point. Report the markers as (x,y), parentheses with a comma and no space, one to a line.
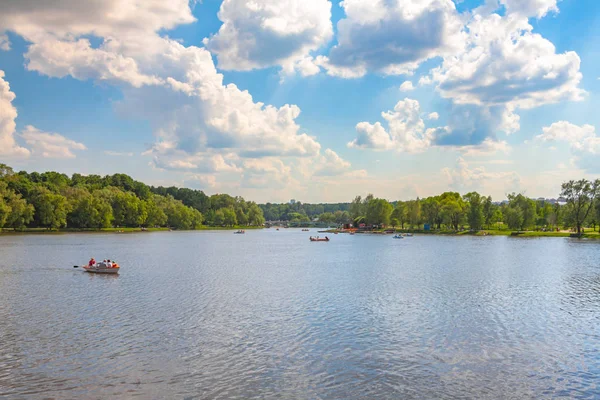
(378,212)
(475,214)
(580,195)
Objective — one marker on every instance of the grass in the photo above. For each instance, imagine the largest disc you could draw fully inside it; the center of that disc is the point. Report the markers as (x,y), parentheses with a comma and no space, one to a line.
(588,234)
(114,230)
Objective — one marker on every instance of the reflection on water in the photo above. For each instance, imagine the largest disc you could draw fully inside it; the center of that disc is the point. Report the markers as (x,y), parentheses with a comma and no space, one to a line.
(271,315)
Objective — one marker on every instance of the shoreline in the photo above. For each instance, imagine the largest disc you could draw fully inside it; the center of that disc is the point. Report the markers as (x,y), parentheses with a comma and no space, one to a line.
(4,231)
(484,232)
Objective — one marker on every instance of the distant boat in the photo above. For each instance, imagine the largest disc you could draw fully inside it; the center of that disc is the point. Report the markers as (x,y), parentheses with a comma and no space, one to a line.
(318,239)
(398,237)
(240,232)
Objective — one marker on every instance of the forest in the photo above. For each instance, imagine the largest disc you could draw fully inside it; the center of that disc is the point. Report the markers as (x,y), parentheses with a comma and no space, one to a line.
(53,200)
(579,207)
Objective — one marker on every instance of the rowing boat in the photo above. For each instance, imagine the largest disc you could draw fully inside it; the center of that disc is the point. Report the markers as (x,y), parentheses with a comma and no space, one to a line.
(101,270)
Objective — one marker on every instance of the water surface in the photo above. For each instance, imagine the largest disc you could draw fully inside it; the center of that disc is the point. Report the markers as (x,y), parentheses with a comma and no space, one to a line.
(269,314)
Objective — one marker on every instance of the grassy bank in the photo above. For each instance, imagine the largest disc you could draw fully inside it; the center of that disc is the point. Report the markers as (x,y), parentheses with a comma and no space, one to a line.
(118,230)
(588,234)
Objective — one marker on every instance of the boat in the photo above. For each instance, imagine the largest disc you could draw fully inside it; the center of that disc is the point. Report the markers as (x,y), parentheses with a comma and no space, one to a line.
(408,235)
(240,232)
(101,270)
(318,239)
(398,237)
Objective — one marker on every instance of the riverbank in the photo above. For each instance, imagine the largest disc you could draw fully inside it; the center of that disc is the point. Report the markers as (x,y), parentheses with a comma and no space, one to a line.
(589,234)
(120,230)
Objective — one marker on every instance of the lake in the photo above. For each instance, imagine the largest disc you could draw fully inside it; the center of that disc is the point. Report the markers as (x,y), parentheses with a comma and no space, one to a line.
(269,314)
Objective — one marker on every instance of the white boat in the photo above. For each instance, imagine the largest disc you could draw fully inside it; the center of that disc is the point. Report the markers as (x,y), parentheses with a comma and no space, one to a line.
(101,270)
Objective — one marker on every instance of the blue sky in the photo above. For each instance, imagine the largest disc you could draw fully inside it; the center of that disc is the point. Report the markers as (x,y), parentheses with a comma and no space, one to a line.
(311,100)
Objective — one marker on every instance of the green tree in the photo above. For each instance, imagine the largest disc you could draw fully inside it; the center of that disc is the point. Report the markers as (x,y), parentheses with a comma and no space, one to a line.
(50,208)
(580,195)
(513,217)
(229,217)
(400,214)
(379,212)
(327,217)
(255,215)
(431,210)
(475,214)
(155,215)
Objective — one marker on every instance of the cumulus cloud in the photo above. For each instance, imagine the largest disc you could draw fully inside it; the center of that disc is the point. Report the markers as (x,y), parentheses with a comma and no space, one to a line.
(505,63)
(202,126)
(469,129)
(583,142)
(271,33)
(504,67)
(392,37)
(331,164)
(406,86)
(50,145)
(433,116)
(406,130)
(530,8)
(8,115)
(462,178)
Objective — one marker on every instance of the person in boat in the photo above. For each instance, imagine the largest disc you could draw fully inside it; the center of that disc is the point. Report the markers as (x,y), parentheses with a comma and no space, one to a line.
(115,265)
(92,262)
(108,264)
(326,238)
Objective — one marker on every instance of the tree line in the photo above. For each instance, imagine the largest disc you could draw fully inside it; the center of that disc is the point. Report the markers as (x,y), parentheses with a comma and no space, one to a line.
(53,200)
(451,211)
(305,212)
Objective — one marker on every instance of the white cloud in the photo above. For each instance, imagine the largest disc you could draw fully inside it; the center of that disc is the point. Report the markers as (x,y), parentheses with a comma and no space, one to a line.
(463,178)
(202,126)
(504,63)
(331,164)
(406,86)
(486,148)
(530,8)
(50,145)
(8,115)
(583,142)
(406,130)
(267,33)
(78,59)
(4,42)
(433,116)
(392,37)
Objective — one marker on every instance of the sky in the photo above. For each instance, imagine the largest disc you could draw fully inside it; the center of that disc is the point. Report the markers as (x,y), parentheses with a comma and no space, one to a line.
(311,100)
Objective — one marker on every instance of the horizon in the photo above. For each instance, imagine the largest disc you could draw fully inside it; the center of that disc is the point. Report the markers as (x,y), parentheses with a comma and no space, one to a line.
(306,99)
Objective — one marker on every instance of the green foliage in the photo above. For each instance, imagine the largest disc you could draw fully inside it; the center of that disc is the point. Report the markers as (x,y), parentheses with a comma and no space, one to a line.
(475,210)
(399,214)
(50,208)
(513,216)
(378,211)
(580,196)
